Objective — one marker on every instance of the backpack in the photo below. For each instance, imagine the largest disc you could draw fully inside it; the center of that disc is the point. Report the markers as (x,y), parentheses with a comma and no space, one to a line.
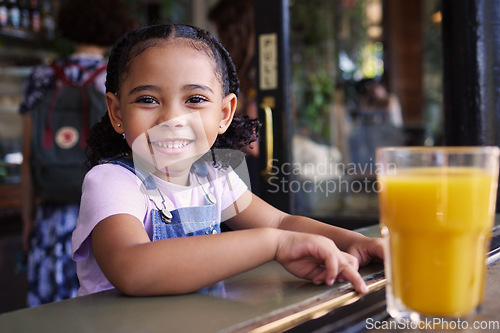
(61,124)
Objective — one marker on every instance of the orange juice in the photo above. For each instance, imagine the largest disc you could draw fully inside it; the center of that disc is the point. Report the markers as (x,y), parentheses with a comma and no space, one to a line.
(438,222)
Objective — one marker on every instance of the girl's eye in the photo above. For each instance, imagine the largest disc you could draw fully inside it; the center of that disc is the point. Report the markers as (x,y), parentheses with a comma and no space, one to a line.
(146,100)
(196,99)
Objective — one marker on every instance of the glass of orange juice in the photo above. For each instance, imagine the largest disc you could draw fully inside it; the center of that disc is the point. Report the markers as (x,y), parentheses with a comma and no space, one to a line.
(437,207)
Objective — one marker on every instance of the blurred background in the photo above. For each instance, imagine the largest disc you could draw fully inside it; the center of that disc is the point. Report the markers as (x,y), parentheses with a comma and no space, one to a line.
(342,77)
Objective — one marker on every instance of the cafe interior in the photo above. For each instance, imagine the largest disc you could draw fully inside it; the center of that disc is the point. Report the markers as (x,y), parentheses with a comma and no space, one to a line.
(332,81)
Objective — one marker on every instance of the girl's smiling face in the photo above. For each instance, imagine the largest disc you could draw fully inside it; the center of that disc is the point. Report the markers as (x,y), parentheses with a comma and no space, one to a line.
(171,107)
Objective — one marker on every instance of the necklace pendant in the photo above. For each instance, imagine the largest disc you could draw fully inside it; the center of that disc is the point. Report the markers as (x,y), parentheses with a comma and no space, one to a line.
(166,216)
(210,197)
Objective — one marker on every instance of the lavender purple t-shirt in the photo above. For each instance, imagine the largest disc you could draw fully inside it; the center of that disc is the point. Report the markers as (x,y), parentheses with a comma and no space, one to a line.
(110,189)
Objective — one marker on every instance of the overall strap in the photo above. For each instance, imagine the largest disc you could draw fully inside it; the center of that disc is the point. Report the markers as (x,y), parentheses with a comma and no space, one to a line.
(162,204)
(167,221)
(141,173)
(199,168)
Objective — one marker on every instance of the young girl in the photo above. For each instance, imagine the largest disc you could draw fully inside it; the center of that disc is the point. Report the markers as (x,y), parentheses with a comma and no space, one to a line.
(156,177)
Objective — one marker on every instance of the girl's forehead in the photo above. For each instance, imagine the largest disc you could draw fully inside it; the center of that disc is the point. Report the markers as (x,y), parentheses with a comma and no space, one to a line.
(179,47)
(186,47)
(173,56)
(173,42)
(174,63)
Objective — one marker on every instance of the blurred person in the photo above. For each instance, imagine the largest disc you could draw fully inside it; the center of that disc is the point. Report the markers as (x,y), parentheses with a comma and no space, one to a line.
(92,26)
(378,122)
(376,98)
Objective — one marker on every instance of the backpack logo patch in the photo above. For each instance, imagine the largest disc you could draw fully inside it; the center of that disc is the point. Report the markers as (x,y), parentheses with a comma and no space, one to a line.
(66,137)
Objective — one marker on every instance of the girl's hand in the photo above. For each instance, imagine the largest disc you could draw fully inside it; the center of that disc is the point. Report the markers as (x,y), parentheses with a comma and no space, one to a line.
(318,259)
(365,249)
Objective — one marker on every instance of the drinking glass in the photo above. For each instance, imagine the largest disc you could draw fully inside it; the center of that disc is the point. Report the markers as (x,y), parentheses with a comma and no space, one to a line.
(437,207)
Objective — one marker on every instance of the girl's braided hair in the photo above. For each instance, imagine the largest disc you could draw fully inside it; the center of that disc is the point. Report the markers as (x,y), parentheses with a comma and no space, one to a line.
(104,142)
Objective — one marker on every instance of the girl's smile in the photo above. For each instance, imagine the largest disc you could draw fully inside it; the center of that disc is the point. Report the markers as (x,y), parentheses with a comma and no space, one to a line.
(173,145)
(177,136)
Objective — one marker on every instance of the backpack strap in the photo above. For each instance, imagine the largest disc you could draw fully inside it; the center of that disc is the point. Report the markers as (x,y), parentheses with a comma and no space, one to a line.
(96,72)
(60,75)
(49,131)
(86,115)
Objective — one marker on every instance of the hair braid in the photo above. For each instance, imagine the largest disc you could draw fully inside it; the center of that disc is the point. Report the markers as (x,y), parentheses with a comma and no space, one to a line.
(103,141)
(232,75)
(243,130)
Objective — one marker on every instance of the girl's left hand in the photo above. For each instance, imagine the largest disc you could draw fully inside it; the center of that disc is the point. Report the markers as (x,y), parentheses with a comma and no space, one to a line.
(318,259)
(367,249)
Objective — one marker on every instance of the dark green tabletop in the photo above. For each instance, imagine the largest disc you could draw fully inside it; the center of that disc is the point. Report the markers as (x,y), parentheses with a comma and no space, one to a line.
(256,298)
(266,299)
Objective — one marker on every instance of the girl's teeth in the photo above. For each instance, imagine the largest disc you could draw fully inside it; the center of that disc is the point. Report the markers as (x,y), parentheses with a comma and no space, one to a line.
(172,144)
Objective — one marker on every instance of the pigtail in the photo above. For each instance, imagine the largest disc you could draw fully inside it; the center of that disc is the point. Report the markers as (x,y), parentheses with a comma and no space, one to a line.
(232,74)
(117,58)
(104,142)
(243,130)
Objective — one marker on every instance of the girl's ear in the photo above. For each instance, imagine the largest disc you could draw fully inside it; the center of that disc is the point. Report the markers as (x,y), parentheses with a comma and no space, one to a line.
(114,112)
(229,104)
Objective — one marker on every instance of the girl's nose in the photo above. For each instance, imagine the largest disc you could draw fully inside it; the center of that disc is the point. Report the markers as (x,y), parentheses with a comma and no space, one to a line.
(173,122)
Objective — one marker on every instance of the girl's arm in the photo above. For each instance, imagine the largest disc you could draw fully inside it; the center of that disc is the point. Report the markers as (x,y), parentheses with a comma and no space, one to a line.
(260,214)
(137,266)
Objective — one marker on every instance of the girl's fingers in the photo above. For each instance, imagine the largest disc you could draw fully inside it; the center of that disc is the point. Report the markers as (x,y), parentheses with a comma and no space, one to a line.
(320,277)
(353,261)
(352,275)
(331,268)
(372,249)
(329,262)
(346,269)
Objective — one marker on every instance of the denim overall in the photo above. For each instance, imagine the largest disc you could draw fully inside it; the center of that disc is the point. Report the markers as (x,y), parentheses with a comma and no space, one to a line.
(180,222)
